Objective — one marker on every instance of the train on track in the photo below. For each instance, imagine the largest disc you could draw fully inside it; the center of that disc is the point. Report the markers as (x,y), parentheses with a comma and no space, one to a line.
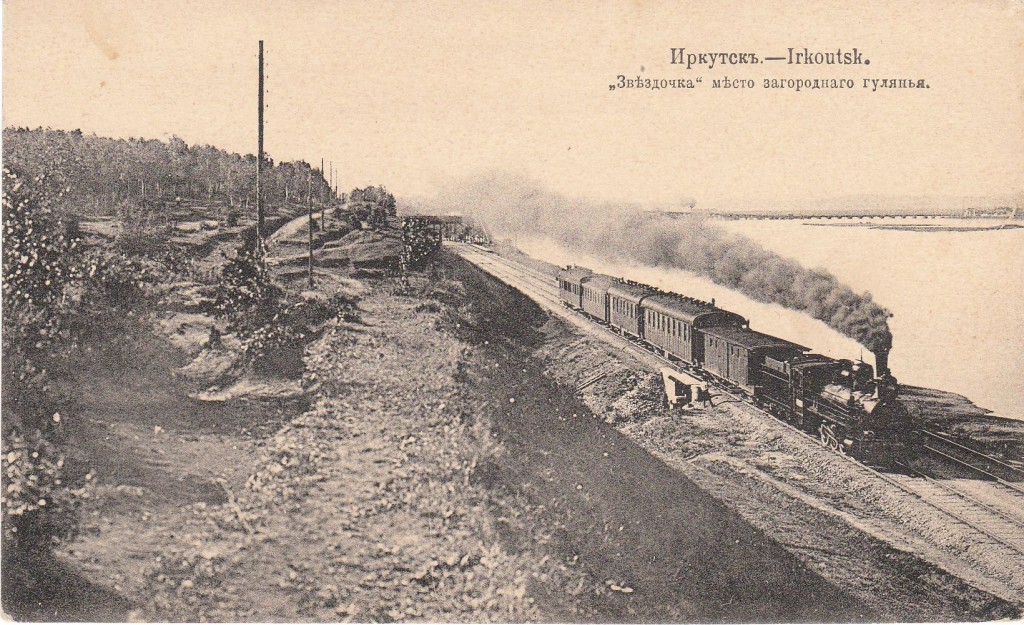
(843,402)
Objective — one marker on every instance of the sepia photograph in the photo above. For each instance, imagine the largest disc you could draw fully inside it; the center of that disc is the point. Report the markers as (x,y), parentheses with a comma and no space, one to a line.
(453,311)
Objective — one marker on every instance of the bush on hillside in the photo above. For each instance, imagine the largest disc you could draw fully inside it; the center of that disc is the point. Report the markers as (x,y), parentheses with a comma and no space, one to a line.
(41,270)
(271,325)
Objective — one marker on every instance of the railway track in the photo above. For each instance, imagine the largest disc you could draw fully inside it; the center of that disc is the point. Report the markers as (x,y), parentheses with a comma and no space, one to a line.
(984,464)
(982,513)
(996,486)
(989,522)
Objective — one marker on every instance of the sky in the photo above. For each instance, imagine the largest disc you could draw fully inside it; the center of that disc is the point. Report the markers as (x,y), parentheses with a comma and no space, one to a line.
(416,94)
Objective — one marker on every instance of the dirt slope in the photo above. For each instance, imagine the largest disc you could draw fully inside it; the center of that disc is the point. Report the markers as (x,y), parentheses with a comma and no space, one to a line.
(630,518)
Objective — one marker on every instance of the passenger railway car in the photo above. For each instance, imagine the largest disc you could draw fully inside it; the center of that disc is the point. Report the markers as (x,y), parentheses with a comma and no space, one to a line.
(570,285)
(624,298)
(595,295)
(737,354)
(672,323)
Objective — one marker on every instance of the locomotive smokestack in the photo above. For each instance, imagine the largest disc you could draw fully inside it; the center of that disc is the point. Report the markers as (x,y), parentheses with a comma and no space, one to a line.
(881,362)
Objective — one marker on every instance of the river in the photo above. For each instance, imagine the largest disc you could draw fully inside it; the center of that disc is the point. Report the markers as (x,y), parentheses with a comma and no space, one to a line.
(956,296)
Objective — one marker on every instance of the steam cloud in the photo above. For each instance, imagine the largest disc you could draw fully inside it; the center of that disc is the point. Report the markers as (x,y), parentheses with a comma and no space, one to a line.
(513,205)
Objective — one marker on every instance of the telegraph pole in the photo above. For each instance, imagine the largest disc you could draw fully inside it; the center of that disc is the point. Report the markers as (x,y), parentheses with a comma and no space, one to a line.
(259,164)
(309,208)
(323,208)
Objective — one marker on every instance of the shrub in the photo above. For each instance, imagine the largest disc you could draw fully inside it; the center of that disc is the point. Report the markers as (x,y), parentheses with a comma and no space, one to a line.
(271,327)
(39,509)
(42,270)
(41,260)
(253,306)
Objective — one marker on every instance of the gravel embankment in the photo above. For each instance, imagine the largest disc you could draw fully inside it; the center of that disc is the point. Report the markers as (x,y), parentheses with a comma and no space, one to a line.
(839,522)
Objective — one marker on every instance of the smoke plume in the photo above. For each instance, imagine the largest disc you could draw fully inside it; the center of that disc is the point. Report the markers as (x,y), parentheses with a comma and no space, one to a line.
(512,205)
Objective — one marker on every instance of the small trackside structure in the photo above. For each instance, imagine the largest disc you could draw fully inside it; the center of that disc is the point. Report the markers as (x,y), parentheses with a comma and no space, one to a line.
(682,390)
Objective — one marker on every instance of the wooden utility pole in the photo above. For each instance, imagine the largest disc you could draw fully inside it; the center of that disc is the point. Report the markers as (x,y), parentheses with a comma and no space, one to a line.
(323,207)
(259,164)
(309,206)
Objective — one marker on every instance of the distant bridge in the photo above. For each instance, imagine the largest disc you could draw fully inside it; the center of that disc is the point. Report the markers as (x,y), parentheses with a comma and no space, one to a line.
(1002,212)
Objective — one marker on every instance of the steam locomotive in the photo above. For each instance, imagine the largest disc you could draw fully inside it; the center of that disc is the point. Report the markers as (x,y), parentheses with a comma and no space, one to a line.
(850,408)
